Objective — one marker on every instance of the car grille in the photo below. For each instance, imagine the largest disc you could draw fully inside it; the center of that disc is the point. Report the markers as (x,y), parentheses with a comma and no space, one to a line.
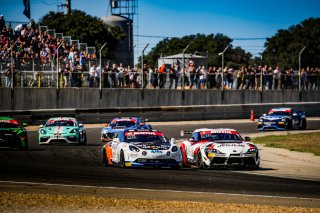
(143,160)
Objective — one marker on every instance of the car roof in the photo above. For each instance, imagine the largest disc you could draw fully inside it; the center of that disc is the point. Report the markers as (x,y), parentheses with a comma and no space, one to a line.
(62,118)
(281,109)
(215,129)
(124,119)
(6,118)
(141,130)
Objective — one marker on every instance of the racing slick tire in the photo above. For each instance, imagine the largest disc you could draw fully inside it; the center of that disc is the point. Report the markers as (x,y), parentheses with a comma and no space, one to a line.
(289,125)
(304,124)
(183,164)
(104,158)
(85,140)
(25,146)
(200,163)
(122,160)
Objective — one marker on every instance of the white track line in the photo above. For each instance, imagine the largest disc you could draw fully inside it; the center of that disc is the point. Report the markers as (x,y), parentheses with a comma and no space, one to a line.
(156,190)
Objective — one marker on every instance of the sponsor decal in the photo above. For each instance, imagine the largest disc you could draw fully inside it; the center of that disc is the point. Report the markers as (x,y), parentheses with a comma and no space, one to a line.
(144,133)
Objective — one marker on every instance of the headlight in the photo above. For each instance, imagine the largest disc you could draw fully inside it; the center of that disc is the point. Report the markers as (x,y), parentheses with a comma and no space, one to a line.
(283,119)
(208,150)
(174,149)
(74,131)
(134,149)
(42,131)
(260,120)
(105,131)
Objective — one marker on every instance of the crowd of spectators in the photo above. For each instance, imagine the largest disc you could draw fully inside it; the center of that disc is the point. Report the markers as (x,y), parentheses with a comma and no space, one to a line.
(28,46)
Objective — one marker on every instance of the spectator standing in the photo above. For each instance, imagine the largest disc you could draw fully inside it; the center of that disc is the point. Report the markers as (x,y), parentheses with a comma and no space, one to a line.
(172,75)
(192,73)
(202,77)
(162,75)
(2,23)
(155,77)
(230,78)
(145,72)
(210,78)
(257,78)
(121,76)
(251,77)
(92,74)
(105,75)
(127,72)
(66,75)
(8,75)
(276,77)
(176,79)
(113,74)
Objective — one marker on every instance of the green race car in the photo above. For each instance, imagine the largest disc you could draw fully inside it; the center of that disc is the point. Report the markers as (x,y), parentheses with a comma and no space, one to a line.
(12,134)
(61,130)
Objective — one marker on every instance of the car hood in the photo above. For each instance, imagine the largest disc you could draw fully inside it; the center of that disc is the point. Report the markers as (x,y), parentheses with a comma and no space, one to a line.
(59,129)
(230,147)
(10,130)
(273,117)
(152,145)
(110,130)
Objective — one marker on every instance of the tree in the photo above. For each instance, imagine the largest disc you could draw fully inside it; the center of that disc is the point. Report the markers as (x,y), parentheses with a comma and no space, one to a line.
(85,28)
(283,48)
(213,44)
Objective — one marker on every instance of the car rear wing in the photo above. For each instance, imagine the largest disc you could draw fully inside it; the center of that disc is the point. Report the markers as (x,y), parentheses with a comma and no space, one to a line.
(182,133)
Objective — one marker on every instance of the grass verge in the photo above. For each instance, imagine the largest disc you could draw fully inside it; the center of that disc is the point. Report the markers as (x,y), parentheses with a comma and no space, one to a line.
(304,142)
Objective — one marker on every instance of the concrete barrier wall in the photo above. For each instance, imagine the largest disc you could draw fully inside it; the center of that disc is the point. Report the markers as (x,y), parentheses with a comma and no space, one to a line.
(5,99)
(84,98)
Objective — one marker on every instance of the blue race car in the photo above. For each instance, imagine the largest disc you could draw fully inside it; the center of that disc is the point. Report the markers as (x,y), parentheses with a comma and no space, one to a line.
(282,119)
(120,124)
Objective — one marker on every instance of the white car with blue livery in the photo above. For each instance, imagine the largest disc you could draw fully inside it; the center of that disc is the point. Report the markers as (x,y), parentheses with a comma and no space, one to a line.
(141,148)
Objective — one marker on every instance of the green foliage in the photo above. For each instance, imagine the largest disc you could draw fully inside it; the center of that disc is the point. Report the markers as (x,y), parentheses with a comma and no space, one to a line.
(284,47)
(212,44)
(85,28)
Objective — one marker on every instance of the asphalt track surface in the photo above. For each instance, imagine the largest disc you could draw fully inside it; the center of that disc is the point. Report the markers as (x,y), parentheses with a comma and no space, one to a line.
(81,165)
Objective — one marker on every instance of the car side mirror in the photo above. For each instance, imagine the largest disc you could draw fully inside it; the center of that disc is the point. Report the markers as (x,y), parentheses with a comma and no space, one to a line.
(105,125)
(41,126)
(247,138)
(294,114)
(173,140)
(264,114)
(191,139)
(80,124)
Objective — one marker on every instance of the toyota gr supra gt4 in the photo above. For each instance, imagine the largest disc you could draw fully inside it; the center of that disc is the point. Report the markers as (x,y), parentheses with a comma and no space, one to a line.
(212,148)
(282,119)
(119,124)
(12,134)
(141,148)
(62,130)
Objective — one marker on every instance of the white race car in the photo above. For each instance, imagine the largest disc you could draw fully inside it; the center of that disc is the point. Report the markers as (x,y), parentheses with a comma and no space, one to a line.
(141,147)
(209,148)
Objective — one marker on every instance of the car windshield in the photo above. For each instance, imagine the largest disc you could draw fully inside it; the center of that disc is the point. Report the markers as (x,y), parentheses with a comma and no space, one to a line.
(60,123)
(221,137)
(9,125)
(145,138)
(123,123)
(285,113)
